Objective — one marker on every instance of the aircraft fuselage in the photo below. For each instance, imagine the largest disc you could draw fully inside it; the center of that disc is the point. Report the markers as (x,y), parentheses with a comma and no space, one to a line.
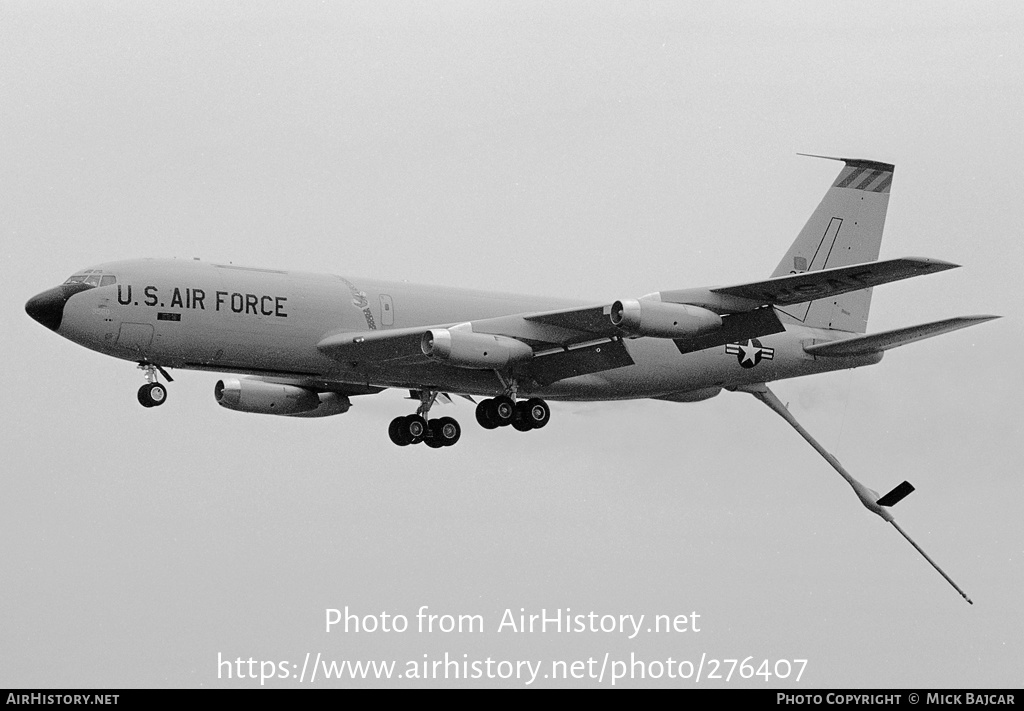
(198,315)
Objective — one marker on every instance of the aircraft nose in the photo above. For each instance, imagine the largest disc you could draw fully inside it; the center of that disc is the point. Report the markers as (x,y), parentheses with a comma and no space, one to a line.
(48,307)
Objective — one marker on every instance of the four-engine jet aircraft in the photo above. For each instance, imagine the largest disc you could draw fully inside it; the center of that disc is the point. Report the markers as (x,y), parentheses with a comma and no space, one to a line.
(307,343)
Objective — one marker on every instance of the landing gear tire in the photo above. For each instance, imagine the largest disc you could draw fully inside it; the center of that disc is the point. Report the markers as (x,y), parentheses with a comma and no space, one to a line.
(395,432)
(443,433)
(483,417)
(433,440)
(521,418)
(152,395)
(501,410)
(446,431)
(410,429)
(537,413)
(524,415)
(413,429)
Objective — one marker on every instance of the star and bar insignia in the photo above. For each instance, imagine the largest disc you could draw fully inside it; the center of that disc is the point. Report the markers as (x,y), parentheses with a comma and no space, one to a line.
(750,353)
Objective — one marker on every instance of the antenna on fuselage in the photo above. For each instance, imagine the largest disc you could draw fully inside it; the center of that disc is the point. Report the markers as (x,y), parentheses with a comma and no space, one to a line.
(872,501)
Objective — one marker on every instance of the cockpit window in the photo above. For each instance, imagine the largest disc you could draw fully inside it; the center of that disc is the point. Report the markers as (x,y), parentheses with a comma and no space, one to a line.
(92,277)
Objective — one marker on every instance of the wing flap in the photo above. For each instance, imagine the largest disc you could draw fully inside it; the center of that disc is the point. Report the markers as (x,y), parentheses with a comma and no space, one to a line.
(593,358)
(375,346)
(877,342)
(735,328)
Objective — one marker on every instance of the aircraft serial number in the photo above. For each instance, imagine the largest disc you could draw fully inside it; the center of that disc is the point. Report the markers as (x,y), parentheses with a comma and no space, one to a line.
(192,298)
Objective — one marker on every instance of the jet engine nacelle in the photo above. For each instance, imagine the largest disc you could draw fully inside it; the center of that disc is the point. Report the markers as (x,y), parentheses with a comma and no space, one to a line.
(261,397)
(657,319)
(465,349)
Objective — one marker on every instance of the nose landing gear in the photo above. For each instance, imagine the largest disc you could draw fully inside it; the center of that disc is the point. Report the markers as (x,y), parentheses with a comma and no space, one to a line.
(153,393)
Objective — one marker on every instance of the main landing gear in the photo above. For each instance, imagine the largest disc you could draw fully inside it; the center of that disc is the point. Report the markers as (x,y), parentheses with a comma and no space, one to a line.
(416,428)
(492,413)
(153,393)
(524,415)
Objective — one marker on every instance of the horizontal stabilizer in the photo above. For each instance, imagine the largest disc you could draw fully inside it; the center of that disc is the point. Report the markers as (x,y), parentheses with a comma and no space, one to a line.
(897,495)
(877,342)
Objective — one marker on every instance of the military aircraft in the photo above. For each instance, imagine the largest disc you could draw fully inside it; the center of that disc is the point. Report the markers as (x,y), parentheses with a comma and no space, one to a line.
(306,343)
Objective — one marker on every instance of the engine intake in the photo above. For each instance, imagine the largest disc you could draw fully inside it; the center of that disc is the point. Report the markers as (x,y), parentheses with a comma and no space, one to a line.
(261,397)
(466,349)
(658,319)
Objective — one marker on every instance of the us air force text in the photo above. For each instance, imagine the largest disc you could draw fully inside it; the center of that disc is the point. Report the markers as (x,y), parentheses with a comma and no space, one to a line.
(193,298)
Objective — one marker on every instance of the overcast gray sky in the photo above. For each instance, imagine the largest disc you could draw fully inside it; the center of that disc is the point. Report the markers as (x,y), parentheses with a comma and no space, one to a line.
(595,149)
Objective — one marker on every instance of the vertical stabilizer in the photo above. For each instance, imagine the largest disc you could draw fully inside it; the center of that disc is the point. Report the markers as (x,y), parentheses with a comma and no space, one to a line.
(845,229)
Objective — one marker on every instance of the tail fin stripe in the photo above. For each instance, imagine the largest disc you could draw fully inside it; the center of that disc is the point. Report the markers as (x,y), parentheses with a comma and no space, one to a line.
(850,177)
(867,176)
(868,180)
(883,187)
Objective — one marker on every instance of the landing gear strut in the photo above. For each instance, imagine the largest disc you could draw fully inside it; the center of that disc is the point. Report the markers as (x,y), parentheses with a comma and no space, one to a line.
(416,428)
(153,393)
